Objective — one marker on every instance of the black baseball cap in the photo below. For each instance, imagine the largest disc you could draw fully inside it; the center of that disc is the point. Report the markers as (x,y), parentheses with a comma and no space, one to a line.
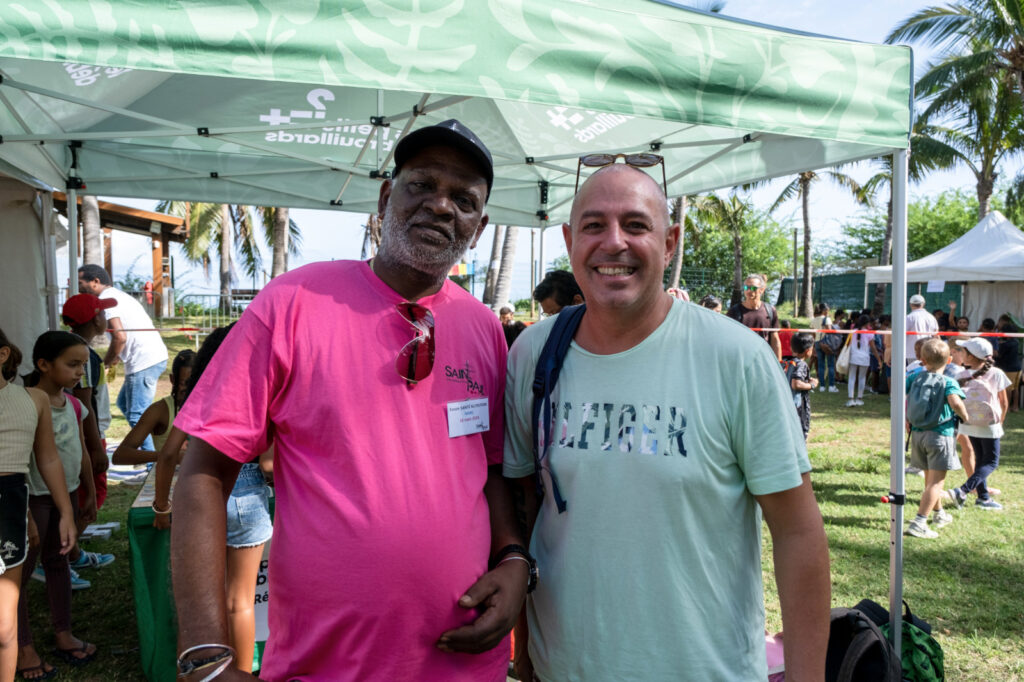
(450,133)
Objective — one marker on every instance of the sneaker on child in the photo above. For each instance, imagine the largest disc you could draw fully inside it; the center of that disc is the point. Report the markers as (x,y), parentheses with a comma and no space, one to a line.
(913,471)
(941,518)
(988,504)
(955,495)
(77,582)
(919,530)
(91,560)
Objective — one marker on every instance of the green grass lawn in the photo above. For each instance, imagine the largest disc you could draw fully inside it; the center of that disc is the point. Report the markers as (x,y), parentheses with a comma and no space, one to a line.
(965,582)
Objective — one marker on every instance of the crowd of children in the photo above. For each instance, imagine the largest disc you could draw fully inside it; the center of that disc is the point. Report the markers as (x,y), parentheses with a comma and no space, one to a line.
(52,463)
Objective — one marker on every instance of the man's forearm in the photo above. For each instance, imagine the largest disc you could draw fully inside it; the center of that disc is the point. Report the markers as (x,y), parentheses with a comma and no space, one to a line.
(504,525)
(773,341)
(117,341)
(198,549)
(802,577)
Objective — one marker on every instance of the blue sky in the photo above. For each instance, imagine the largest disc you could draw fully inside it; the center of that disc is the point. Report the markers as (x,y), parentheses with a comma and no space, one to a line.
(329,235)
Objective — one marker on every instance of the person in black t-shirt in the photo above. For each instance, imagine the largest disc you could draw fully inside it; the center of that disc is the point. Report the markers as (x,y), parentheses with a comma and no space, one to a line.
(754,313)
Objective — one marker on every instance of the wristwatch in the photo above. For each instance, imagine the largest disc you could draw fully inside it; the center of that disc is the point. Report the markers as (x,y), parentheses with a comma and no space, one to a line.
(534,574)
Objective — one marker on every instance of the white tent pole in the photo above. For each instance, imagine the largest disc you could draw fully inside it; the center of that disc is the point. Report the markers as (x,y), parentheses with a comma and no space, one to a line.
(897,409)
(72,241)
(540,257)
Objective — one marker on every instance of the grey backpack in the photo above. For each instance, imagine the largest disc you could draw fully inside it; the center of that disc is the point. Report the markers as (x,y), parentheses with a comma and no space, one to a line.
(926,400)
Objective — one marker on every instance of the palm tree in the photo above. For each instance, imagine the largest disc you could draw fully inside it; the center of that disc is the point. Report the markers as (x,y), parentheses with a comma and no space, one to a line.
(982,38)
(730,215)
(503,282)
(983,127)
(281,233)
(207,223)
(493,265)
(800,186)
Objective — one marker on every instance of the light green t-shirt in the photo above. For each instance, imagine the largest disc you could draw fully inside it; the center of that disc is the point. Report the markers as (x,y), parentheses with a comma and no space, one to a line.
(654,570)
(69,448)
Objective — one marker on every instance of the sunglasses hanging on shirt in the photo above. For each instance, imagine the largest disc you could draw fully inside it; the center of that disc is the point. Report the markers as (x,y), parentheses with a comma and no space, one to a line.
(416,359)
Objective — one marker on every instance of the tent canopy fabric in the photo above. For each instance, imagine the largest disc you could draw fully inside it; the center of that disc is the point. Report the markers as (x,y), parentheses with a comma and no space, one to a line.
(992,251)
(299,103)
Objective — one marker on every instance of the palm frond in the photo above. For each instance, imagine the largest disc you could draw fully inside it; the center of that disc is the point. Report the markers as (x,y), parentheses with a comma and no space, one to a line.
(790,191)
(934,25)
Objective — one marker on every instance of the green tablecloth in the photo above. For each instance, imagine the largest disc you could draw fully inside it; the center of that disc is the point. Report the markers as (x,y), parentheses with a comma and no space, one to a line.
(154,604)
(150,557)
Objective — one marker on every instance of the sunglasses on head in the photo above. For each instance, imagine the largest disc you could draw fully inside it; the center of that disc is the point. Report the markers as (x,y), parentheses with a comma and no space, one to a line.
(641,160)
(416,359)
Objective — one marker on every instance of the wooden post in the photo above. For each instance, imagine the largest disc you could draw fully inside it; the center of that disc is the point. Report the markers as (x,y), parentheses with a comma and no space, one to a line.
(158,274)
(108,249)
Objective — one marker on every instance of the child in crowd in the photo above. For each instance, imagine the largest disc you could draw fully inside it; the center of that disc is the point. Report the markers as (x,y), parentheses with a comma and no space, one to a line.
(916,366)
(933,400)
(59,360)
(158,419)
(800,381)
(785,338)
(826,348)
(953,370)
(877,376)
(985,387)
(248,519)
(1007,357)
(26,441)
(860,359)
(712,302)
(83,313)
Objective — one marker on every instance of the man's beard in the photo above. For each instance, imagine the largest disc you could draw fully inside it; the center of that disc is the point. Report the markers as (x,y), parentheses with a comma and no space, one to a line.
(395,248)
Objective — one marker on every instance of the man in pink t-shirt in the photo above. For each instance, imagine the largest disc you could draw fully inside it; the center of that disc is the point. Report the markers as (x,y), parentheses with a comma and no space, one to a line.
(380,385)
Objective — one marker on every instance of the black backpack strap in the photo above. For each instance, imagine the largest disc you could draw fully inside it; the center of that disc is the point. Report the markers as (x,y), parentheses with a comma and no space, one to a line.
(875,612)
(549,364)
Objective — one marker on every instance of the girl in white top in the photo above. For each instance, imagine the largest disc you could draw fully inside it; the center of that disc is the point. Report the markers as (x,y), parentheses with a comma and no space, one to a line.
(985,387)
(860,360)
(59,359)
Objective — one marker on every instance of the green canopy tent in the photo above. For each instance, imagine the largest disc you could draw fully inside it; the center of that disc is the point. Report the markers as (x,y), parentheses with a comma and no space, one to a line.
(300,103)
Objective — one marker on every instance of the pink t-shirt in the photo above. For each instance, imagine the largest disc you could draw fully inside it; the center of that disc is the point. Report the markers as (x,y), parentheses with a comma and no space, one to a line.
(381,522)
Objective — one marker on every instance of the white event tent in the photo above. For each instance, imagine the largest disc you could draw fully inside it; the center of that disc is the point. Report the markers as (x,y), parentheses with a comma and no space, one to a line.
(988,259)
(299,103)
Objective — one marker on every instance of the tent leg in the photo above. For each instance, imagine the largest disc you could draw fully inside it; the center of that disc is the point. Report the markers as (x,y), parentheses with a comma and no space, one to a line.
(72,242)
(540,259)
(897,409)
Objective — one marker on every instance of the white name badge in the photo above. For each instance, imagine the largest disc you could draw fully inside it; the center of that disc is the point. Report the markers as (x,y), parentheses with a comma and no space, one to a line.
(468,416)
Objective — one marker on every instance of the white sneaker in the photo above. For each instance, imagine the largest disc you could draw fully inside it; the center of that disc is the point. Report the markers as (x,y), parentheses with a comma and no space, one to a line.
(851,403)
(833,389)
(919,530)
(913,471)
(821,389)
(859,401)
(941,518)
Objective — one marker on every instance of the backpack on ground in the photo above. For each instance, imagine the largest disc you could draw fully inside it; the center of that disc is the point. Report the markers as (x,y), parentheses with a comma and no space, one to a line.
(921,655)
(858,651)
(549,364)
(926,400)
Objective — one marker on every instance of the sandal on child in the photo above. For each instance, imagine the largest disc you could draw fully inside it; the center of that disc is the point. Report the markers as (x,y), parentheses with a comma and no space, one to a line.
(69,654)
(46,674)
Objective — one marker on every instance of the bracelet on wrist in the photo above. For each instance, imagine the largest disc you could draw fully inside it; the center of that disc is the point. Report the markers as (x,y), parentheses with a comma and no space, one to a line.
(519,553)
(157,510)
(219,661)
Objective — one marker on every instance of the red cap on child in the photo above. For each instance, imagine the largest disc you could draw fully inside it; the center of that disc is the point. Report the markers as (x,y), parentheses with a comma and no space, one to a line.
(82,308)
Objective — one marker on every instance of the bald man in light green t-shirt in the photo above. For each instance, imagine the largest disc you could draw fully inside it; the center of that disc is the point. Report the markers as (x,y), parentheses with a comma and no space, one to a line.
(673,431)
